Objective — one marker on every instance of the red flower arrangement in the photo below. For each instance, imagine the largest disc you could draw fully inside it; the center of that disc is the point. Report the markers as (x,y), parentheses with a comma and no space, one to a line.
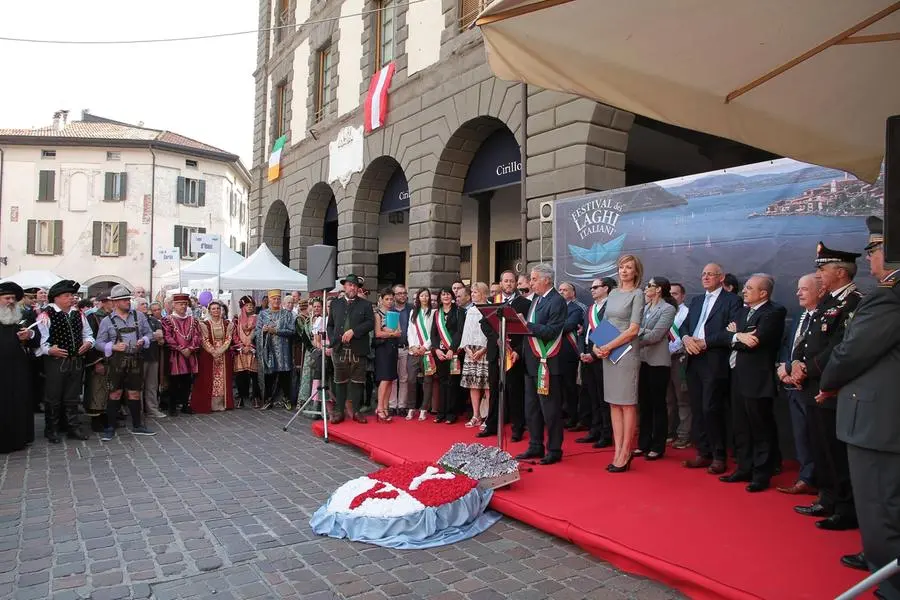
(441,487)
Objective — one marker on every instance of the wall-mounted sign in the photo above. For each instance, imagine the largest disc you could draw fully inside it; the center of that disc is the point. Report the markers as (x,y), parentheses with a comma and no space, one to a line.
(497,164)
(14,214)
(396,193)
(202,243)
(167,254)
(147,213)
(345,155)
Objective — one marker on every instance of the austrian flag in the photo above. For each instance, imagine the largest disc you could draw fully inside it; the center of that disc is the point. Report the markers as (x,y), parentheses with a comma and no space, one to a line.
(377,98)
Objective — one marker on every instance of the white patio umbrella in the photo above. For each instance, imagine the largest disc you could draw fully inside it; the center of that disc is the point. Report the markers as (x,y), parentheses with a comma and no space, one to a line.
(33,279)
(813,80)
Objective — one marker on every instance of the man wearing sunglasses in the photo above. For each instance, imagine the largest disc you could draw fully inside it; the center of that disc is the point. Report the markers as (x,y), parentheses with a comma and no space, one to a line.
(862,372)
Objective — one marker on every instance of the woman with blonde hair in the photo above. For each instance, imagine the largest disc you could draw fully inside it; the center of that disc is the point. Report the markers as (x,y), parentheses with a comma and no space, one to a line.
(624,310)
(474,343)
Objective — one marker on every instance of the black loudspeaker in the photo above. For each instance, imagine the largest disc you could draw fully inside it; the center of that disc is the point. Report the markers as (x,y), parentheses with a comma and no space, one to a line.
(321,267)
(892,190)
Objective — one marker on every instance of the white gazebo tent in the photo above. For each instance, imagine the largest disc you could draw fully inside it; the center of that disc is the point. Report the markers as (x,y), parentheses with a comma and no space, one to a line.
(261,271)
(33,279)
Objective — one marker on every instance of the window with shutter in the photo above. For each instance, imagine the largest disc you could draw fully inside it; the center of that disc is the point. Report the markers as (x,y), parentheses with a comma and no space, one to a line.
(57,237)
(122,191)
(384,33)
(47,186)
(179,197)
(468,11)
(281,109)
(324,89)
(30,236)
(45,237)
(110,240)
(201,193)
(179,240)
(123,238)
(97,238)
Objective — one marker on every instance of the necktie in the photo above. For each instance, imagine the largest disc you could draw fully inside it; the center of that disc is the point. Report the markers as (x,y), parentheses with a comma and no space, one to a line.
(702,321)
(801,331)
(732,358)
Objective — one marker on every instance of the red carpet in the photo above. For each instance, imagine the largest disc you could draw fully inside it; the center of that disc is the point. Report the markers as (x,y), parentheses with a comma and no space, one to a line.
(685,528)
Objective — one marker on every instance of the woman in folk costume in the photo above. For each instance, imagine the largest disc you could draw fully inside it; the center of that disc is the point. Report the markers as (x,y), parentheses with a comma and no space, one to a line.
(421,320)
(214,384)
(245,367)
(475,365)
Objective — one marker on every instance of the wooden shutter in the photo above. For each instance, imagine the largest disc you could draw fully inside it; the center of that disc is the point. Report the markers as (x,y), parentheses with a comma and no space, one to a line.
(123,235)
(201,193)
(57,236)
(468,10)
(97,240)
(46,186)
(109,187)
(123,186)
(51,186)
(180,193)
(178,238)
(30,236)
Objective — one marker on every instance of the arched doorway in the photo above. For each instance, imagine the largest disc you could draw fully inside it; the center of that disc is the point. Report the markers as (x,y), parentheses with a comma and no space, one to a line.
(277,232)
(658,151)
(102,284)
(381,216)
(318,221)
(490,229)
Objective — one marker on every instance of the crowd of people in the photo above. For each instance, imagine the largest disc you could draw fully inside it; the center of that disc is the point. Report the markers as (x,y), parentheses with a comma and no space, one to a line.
(667,373)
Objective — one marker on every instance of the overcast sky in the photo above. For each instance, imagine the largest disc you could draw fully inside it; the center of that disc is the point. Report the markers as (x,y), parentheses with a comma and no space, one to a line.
(201,89)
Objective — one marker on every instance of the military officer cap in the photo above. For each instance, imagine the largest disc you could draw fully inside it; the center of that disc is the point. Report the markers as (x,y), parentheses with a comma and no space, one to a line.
(826,255)
(876,232)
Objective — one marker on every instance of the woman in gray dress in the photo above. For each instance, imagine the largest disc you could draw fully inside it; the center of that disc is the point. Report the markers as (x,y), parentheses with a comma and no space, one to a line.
(624,310)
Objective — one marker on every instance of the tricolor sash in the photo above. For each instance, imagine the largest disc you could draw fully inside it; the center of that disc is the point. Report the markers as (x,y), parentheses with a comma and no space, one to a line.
(424,337)
(509,358)
(445,340)
(572,340)
(542,350)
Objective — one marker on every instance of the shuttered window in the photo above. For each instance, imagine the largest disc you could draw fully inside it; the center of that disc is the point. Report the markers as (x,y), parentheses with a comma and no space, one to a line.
(281,109)
(182,239)
(324,88)
(47,186)
(115,187)
(191,192)
(44,237)
(384,33)
(109,238)
(468,10)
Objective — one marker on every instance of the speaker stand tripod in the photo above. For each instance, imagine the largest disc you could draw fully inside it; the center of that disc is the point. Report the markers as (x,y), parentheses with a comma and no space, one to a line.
(323,392)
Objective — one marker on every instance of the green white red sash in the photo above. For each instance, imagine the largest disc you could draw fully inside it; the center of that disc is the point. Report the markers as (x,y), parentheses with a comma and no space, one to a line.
(594,316)
(445,340)
(424,338)
(542,350)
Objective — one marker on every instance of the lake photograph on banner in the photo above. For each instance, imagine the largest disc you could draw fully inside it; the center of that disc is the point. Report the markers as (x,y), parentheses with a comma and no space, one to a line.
(766,217)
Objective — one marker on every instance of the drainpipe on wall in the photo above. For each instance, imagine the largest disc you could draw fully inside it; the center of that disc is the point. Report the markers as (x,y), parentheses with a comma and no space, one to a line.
(524,193)
(152,218)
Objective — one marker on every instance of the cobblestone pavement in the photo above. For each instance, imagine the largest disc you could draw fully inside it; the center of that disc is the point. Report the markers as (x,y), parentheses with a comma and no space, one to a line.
(217,506)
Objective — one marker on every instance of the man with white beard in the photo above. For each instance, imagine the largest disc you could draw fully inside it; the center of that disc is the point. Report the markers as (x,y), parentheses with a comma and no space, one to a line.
(16,339)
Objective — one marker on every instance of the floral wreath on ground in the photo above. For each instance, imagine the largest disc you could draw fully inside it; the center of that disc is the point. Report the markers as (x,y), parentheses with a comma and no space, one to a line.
(415,504)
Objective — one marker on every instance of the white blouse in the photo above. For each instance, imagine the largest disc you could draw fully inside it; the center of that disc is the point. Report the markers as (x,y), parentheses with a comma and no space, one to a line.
(412,334)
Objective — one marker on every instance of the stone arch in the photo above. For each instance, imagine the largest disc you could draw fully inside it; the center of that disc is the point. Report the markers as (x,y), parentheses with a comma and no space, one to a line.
(312,219)
(103,283)
(437,222)
(358,225)
(276,231)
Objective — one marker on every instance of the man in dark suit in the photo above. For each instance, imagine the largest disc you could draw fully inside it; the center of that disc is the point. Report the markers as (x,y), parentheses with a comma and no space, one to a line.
(350,322)
(515,376)
(809,293)
(706,340)
(595,410)
(836,270)
(543,381)
(755,343)
(569,355)
(862,371)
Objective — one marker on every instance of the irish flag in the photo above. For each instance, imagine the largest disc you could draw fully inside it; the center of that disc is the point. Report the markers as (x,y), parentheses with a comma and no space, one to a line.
(377,98)
(275,158)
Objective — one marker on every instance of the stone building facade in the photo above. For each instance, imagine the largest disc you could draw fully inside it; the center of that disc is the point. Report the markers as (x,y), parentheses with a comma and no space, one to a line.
(444,105)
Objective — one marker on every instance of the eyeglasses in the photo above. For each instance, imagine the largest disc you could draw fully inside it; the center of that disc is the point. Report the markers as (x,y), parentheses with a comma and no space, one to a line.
(596,287)
(710,274)
(652,285)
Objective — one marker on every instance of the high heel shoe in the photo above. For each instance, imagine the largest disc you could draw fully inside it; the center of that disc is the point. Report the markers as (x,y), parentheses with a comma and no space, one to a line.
(382,416)
(622,469)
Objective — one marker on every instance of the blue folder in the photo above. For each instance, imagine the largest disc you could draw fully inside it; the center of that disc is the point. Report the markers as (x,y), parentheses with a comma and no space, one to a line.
(606,332)
(392,320)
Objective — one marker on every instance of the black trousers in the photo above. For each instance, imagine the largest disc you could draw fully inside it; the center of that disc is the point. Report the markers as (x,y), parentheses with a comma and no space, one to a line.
(753,422)
(876,488)
(709,400)
(653,384)
(247,381)
(279,380)
(514,409)
(448,392)
(62,392)
(592,383)
(180,391)
(570,390)
(544,411)
(832,466)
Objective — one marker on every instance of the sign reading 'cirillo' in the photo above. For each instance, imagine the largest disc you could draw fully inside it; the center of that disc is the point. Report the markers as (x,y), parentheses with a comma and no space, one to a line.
(507,168)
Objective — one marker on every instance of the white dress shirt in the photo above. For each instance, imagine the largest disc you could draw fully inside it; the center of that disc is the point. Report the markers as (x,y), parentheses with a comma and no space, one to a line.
(87,335)
(710,298)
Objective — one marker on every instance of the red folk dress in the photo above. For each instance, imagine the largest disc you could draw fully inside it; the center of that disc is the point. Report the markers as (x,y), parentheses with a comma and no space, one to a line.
(213,388)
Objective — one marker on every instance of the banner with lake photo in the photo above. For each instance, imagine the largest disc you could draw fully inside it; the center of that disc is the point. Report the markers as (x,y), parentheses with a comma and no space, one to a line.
(766,217)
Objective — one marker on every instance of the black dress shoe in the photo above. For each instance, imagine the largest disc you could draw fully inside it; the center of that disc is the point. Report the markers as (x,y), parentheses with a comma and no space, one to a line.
(529,454)
(187,410)
(603,443)
(812,510)
(485,433)
(736,477)
(855,561)
(551,459)
(757,486)
(838,523)
(53,438)
(588,439)
(570,425)
(78,435)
